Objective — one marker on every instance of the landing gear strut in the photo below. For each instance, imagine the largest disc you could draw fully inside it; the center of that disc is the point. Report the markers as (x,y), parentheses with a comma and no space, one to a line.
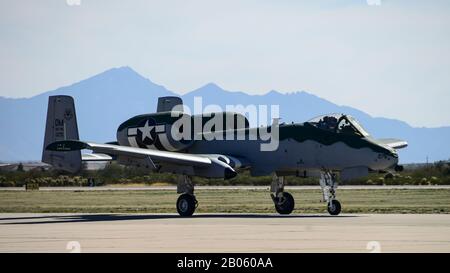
(186,203)
(328,183)
(284,202)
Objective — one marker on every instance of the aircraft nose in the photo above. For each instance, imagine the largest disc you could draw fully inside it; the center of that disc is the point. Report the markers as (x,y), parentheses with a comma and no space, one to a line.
(389,157)
(394,156)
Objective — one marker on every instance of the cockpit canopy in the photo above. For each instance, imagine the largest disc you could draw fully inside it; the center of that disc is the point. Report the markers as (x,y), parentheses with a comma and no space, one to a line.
(339,123)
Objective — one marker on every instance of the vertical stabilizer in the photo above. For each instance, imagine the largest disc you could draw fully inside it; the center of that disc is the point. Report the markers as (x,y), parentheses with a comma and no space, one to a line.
(61,125)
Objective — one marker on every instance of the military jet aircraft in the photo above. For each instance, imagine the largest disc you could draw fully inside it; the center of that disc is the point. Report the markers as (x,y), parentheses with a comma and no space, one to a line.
(330,147)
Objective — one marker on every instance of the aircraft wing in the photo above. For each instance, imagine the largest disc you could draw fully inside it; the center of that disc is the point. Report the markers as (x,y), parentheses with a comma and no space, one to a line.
(393,142)
(205,165)
(111,149)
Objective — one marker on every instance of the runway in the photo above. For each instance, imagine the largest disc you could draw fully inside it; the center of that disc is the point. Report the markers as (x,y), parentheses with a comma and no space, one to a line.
(156,188)
(26,232)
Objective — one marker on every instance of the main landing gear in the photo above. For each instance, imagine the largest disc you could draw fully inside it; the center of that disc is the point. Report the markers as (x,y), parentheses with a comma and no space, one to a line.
(328,183)
(283,201)
(186,203)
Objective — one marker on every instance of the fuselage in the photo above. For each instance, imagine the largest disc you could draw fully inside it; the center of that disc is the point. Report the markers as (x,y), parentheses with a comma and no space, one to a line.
(301,146)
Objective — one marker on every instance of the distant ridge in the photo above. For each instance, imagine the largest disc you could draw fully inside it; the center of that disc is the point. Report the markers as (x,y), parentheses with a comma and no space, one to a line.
(105,100)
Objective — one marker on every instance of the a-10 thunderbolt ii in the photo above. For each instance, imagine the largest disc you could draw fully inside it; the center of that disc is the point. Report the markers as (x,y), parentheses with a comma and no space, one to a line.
(328,147)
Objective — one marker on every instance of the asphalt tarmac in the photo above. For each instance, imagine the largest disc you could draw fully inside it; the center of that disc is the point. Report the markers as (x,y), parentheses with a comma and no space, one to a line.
(149,188)
(29,232)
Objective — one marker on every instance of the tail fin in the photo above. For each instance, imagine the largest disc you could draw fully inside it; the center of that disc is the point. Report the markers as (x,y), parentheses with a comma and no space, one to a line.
(61,125)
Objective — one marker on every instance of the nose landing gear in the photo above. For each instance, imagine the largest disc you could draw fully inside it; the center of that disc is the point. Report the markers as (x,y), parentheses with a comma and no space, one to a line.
(328,183)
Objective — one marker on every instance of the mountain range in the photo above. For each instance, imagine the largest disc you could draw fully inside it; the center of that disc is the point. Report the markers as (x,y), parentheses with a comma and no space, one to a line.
(109,98)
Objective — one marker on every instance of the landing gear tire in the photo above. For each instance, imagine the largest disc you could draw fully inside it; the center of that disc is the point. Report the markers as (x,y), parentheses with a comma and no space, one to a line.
(285,203)
(186,204)
(334,207)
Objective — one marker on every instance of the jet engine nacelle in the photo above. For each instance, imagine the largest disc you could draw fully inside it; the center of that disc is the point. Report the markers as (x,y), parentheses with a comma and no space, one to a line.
(175,131)
(154,131)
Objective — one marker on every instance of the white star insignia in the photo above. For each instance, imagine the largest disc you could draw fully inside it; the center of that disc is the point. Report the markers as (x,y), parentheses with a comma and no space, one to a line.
(146,131)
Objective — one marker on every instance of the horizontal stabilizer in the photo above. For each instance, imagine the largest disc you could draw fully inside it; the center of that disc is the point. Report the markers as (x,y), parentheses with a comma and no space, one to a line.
(96,157)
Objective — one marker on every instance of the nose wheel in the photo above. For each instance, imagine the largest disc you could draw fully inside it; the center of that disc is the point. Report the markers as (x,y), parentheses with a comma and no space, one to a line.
(328,183)
(334,207)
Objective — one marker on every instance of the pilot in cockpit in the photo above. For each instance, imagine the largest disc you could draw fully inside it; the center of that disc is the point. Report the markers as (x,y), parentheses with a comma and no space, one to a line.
(339,123)
(328,123)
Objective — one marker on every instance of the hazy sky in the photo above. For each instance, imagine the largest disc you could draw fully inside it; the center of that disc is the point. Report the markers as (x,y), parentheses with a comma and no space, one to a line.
(391,59)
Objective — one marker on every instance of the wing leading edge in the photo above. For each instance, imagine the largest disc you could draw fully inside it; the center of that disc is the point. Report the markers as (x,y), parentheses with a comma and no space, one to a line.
(111,149)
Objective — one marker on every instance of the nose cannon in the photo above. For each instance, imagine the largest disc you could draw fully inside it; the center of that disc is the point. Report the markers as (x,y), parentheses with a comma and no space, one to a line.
(386,159)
